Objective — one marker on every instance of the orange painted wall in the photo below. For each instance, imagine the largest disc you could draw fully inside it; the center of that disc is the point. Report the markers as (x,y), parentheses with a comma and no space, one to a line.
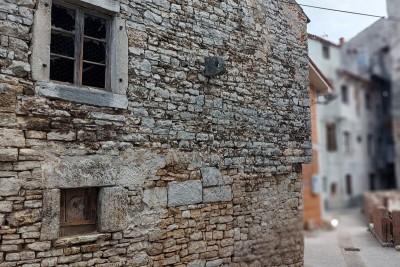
(312,202)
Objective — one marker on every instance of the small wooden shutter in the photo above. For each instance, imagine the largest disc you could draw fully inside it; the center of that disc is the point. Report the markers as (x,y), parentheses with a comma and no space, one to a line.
(78,210)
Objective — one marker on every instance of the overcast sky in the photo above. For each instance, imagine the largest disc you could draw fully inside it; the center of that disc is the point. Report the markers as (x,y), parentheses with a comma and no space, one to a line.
(333,25)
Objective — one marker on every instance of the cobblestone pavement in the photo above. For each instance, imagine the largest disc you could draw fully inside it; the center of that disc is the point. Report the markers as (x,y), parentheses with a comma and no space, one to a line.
(326,248)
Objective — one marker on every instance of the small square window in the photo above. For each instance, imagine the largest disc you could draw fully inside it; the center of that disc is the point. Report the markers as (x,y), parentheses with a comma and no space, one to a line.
(78,213)
(78,47)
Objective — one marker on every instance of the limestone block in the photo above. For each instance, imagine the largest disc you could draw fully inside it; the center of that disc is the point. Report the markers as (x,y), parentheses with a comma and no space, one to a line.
(80,171)
(8,154)
(6,206)
(139,259)
(212,176)
(9,186)
(113,208)
(24,217)
(197,247)
(139,166)
(51,215)
(62,136)
(155,197)
(30,154)
(11,138)
(49,262)
(109,117)
(184,193)
(196,263)
(217,194)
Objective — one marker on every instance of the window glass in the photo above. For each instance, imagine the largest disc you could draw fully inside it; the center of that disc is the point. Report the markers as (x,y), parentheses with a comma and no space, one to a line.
(62,46)
(78,56)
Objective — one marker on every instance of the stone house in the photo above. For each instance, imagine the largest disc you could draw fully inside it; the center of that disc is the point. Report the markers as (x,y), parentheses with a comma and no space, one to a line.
(152,133)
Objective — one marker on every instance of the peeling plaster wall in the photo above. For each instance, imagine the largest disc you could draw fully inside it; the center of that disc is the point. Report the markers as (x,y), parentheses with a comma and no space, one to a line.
(195,172)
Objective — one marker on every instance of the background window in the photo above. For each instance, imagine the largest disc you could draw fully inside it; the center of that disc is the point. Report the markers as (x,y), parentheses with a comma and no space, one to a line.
(349,185)
(345,94)
(331,137)
(333,189)
(347,142)
(370,145)
(367,101)
(326,52)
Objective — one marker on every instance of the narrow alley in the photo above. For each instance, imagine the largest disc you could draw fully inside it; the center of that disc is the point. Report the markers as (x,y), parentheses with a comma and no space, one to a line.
(327,248)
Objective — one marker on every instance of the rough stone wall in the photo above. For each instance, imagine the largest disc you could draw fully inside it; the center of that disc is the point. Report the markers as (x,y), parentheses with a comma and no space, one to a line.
(207,170)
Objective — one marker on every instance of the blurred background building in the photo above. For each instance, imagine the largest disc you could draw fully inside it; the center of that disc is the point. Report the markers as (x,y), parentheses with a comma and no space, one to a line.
(358,123)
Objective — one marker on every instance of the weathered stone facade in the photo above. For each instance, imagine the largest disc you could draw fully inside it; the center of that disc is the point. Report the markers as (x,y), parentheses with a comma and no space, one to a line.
(194,172)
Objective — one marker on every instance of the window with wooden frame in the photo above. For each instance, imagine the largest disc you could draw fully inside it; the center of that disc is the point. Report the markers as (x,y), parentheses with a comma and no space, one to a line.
(78,214)
(79,52)
(331,142)
(347,142)
(79,47)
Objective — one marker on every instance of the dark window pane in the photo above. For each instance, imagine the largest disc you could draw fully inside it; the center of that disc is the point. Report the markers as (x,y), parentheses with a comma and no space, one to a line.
(61,69)
(95,27)
(63,18)
(94,51)
(93,75)
(62,44)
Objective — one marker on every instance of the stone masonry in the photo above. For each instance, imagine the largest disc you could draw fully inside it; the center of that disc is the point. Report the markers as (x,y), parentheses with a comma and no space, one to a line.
(191,171)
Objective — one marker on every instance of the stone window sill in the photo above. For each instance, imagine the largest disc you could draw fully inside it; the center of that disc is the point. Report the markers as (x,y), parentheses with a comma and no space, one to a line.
(82,95)
(80,239)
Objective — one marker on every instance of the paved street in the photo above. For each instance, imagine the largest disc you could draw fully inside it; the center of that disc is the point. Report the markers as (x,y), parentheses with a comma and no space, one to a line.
(326,248)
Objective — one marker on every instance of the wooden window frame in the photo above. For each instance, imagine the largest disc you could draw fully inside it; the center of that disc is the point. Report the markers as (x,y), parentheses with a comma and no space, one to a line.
(80,40)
